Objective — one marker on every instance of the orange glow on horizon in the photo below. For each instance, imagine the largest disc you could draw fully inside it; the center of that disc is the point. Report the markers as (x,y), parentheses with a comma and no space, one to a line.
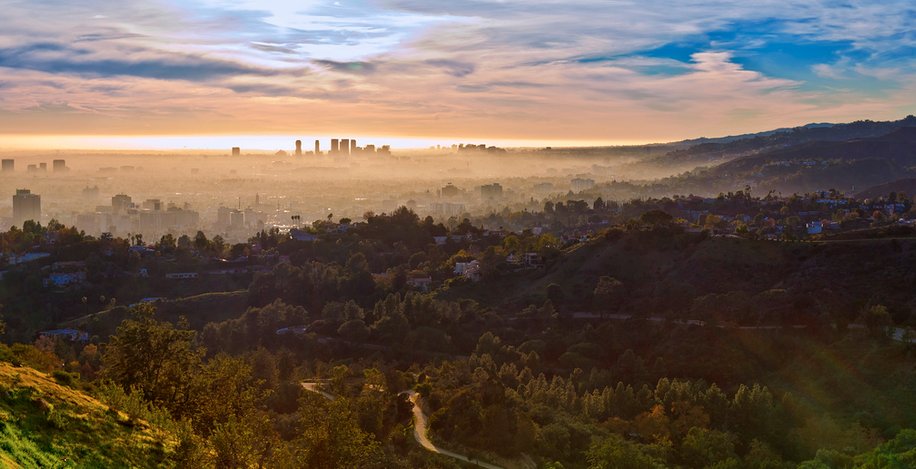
(266,142)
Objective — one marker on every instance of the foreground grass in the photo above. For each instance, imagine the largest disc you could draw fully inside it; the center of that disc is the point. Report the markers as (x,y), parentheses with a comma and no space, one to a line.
(44,424)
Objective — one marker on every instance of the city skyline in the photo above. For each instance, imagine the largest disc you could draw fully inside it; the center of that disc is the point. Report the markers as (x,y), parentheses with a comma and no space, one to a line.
(156,74)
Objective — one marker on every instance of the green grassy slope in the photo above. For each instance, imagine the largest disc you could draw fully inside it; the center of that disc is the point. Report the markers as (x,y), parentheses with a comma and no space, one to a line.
(44,424)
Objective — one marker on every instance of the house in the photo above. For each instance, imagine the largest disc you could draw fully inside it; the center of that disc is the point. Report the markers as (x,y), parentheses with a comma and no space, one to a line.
(815,227)
(13,259)
(65,279)
(182,275)
(141,250)
(533,259)
(302,235)
(68,266)
(293,330)
(73,335)
(469,270)
(420,282)
(229,271)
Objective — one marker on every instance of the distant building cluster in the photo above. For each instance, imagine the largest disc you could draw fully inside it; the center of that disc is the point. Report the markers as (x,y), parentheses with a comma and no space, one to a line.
(151,217)
(491,191)
(239,223)
(476,148)
(339,147)
(8,165)
(581,184)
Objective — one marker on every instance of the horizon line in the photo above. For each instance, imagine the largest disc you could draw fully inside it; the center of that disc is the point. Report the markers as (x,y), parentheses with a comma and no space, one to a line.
(271,142)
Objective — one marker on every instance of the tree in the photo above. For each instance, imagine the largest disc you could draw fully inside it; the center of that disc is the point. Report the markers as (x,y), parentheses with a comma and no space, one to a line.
(877,319)
(354,330)
(555,294)
(614,452)
(655,218)
(242,442)
(224,388)
(167,243)
(201,243)
(704,447)
(332,438)
(155,358)
(599,205)
(608,294)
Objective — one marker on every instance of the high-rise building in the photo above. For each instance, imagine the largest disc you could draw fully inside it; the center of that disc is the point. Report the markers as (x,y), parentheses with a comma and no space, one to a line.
(59,165)
(317,147)
(236,151)
(491,191)
(152,204)
(43,166)
(8,165)
(335,146)
(26,206)
(298,147)
(120,203)
(353,146)
(345,146)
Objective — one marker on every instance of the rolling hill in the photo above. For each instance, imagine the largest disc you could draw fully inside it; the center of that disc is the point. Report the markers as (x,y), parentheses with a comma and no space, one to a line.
(46,424)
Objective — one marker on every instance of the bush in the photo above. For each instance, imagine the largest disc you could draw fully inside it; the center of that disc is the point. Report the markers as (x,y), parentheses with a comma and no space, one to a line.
(63,378)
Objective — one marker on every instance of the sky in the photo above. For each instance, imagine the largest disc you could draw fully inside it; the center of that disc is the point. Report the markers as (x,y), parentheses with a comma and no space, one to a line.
(196,73)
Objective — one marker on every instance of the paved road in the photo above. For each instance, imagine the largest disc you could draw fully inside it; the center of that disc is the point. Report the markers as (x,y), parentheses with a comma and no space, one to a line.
(420,424)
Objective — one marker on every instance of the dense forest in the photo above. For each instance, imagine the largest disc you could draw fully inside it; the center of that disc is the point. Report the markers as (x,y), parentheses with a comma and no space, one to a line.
(642,345)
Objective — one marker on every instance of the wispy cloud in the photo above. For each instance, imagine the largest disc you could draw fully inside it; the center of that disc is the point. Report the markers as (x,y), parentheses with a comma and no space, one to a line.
(567,69)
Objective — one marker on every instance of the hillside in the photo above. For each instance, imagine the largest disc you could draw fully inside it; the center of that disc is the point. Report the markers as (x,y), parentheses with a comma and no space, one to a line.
(714,150)
(45,424)
(900,186)
(674,274)
(846,166)
(198,310)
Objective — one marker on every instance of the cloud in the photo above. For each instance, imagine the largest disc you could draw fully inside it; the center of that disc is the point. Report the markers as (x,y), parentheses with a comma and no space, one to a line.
(278,48)
(455,68)
(354,68)
(583,68)
(61,59)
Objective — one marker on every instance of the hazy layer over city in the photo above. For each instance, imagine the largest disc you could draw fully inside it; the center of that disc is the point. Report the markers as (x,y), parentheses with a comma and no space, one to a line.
(270,188)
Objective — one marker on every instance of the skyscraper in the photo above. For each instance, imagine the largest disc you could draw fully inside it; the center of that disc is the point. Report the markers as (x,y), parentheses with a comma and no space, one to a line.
(120,203)
(26,206)
(353,146)
(335,146)
(345,146)
(8,165)
(59,165)
(236,151)
(298,147)
(317,147)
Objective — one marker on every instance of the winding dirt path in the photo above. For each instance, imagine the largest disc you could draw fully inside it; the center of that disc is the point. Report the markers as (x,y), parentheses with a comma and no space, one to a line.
(421,434)
(420,425)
